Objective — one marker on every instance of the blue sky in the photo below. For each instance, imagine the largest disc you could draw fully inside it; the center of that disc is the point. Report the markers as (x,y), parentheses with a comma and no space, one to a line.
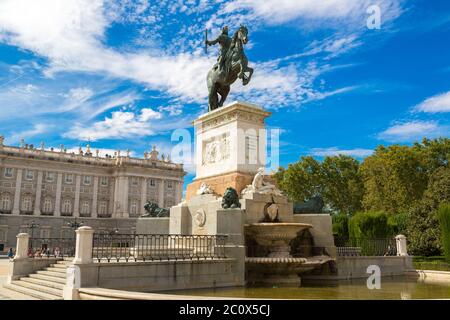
(125,74)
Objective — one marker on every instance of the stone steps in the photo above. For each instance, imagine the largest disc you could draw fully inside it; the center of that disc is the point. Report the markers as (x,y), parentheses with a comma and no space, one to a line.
(46,284)
(59,270)
(39,288)
(59,266)
(14,295)
(31,292)
(52,274)
(48,278)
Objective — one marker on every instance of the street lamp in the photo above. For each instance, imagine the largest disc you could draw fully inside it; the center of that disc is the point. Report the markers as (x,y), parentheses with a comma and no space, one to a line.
(32,226)
(75,224)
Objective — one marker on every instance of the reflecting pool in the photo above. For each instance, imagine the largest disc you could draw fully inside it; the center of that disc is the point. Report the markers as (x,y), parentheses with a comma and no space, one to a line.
(391,288)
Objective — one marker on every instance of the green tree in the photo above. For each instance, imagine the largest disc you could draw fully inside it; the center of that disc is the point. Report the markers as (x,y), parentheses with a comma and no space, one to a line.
(423,230)
(342,185)
(444,222)
(301,180)
(336,179)
(394,178)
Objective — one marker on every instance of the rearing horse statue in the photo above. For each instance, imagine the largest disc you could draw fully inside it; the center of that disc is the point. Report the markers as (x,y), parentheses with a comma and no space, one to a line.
(225,73)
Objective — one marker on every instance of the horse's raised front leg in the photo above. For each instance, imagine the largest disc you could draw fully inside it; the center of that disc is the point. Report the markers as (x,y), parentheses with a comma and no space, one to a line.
(246,80)
(241,70)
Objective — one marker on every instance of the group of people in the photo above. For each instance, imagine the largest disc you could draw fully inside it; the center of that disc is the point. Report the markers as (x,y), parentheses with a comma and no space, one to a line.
(44,252)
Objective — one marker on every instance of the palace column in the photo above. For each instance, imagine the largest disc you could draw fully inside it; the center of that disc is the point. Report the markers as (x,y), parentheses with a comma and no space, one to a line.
(16,207)
(161,193)
(57,211)
(121,197)
(143,195)
(76,206)
(94,198)
(111,205)
(37,202)
(178,192)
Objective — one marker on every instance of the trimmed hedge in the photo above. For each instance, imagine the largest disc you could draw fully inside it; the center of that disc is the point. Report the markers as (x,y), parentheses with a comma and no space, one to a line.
(370,225)
(444,222)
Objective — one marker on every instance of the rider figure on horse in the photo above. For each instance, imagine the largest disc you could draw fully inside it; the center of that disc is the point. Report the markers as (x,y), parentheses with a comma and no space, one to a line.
(224,41)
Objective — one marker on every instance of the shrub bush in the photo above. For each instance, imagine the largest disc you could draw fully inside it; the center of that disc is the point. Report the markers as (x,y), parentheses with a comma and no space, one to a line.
(423,231)
(340,225)
(370,225)
(444,222)
(398,223)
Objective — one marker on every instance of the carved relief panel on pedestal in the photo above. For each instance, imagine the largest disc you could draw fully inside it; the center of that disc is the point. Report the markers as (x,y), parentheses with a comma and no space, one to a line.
(216,150)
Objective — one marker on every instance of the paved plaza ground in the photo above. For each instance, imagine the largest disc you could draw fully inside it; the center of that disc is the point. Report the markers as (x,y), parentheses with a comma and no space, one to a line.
(3,273)
(4,293)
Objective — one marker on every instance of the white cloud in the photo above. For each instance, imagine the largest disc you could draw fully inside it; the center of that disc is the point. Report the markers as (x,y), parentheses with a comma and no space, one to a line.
(173,110)
(413,131)
(334,151)
(436,104)
(80,94)
(120,125)
(37,129)
(70,35)
(281,11)
(148,114)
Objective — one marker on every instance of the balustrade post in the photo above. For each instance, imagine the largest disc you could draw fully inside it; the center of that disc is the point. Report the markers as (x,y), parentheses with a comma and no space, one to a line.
(23,240)
(401,245)
(83,246)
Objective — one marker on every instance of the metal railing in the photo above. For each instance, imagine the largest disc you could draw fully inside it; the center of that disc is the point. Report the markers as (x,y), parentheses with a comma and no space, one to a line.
(151,247)
(51,247)
(365,246)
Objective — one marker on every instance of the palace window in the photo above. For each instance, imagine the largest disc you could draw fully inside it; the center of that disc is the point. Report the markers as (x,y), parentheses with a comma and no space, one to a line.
(66,233)
(3,233)
(49,176)
(45,232)
(8,173)
(134,181)
(68,178)
(85,208)
(133,208)
(47,206)
(5,202)
(67,206)
(102,208)
(27,203)
(87,180)
(104,181)
(29,175)
(152,183)
(169,185)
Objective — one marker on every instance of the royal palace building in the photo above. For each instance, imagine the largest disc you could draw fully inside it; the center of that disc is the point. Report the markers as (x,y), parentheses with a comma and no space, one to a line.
(48,192)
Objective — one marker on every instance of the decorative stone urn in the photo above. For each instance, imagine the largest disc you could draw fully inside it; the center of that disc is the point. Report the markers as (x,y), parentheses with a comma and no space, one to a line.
(278,267)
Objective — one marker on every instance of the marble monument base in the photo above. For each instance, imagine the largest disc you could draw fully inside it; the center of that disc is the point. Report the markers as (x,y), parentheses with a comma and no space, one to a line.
(220,183)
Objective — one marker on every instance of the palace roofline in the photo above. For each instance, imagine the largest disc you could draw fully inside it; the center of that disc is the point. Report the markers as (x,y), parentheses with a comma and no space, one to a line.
(88,158)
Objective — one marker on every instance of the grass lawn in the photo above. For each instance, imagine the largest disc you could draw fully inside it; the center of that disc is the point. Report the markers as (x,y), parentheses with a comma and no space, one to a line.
(431,263)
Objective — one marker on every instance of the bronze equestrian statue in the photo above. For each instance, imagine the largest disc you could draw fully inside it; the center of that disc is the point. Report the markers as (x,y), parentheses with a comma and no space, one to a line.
(231,65)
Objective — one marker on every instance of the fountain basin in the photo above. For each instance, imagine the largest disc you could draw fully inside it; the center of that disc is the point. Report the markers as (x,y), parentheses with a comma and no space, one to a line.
(275,236)
(278,266)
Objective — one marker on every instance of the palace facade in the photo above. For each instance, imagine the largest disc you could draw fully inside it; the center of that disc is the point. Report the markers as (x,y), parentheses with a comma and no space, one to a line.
(54,188)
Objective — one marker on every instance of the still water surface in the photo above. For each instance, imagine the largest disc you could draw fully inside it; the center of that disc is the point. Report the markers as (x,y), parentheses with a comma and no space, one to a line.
(390,289)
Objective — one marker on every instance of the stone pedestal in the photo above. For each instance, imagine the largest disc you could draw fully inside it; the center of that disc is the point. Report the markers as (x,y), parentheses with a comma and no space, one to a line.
(255,205)
(83,246)
(401,245)
(230,147)
(22,246)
